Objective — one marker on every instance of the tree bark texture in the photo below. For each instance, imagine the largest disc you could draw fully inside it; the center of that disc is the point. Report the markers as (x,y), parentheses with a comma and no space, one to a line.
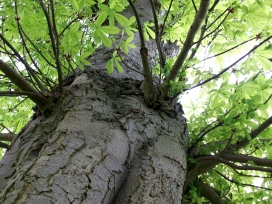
(101,144)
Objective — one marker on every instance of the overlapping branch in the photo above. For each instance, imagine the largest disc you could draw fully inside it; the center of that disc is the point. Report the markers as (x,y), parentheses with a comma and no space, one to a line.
(3,145)
(7,136)
(241,184)
(19,81)
(148,83)
(253,134)
(54,40)
(199,18)
(234,63)
(24,62)
(158,39)
(209,193)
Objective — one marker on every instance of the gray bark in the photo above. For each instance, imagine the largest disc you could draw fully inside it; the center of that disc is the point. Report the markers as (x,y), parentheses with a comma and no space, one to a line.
(100,144)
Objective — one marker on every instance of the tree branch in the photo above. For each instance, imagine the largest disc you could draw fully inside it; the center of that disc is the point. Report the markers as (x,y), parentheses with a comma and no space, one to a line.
(7,136)
(158,39)
(19,93)
(242,184)
(202,134)
(55,45)
(234,63)
(254,176)
(67,26)
(167,13)
(19,81)
(193,2)
(215,28)
(209,193)
(253,134)
(28,68)
(232,165)
(245,158)
(214,5)
(37,50)
(199,18)
(3,145)
(204,131)
(232,48)
(147,85)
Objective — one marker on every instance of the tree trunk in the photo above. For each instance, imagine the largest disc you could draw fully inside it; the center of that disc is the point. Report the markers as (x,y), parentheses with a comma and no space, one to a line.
(100,144)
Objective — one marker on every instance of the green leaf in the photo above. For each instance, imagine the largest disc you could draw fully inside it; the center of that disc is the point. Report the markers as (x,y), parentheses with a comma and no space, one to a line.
(85,62)
(105,40)
(109,66)
(265,63)
(75,5)
(122,20)
(151,32)
(96,36)
(250,86)
(264,53)
(237,25)
(109,29)
(101,18)
(119,67)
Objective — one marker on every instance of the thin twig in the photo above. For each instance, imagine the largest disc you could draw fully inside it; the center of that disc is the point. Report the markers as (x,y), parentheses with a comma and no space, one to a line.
(232,48)
(167,13)
(158,39)
(194,5)
(129,66)
(37,50)
(242,184)
(214,29)
(28,68)
(234,63)
(55,45)
(67,26)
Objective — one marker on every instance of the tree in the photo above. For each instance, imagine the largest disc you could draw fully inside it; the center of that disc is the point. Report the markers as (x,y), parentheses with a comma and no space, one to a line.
(104,80)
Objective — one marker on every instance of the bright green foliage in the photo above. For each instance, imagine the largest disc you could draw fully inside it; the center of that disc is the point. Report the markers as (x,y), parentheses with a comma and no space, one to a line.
(224,109)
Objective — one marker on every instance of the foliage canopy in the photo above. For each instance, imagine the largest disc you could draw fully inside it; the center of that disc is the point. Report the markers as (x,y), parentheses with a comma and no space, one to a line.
(225,54)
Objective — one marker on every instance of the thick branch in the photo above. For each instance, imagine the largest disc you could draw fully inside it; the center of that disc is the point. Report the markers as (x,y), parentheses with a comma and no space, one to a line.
(26,93)
(3,145)
(209,193)
(148,82)
(253,134)
(245,158)
(232,165)
(199,18)
(203,167)
(7,136)
(28,68)
(19,81)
